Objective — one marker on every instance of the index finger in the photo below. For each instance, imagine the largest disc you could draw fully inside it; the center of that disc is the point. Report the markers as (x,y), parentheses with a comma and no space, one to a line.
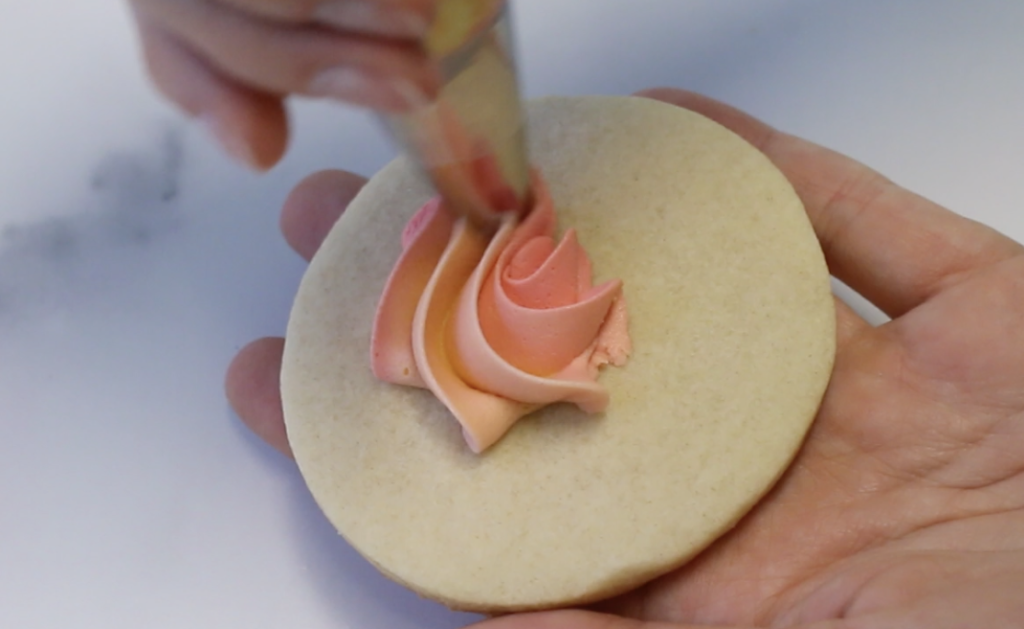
(892,246)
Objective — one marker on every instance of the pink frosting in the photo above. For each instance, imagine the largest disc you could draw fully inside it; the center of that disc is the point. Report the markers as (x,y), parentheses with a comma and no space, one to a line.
(497,328)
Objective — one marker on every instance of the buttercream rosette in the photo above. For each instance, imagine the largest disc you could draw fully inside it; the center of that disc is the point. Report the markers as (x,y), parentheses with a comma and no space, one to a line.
(497,327)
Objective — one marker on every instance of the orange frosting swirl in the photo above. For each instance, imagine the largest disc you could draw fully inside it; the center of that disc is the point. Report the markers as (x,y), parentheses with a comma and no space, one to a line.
(496,329)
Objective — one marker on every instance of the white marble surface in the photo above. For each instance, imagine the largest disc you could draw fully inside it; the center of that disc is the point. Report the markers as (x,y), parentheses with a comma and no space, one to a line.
(135,260)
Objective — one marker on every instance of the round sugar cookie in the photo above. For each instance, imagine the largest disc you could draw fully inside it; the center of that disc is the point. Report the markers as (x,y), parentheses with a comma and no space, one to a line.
(733,331)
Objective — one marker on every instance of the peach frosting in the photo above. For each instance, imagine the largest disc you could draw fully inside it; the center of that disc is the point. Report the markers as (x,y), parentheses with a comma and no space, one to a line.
(497,328)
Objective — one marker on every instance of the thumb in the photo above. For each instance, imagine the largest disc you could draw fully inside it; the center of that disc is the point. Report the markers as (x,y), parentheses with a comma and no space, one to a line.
(578,619)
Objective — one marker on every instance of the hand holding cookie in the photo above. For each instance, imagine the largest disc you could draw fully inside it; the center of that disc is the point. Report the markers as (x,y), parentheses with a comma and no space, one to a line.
(903,507)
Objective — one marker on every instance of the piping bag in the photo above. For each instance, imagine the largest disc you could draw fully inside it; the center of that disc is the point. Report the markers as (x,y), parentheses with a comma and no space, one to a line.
(470,142)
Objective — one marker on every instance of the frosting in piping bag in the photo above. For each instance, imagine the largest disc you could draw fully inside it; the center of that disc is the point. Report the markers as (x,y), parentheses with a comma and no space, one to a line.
(497,328)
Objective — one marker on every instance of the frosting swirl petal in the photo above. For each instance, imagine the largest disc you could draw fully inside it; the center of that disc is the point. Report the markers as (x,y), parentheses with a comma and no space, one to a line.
(500,328)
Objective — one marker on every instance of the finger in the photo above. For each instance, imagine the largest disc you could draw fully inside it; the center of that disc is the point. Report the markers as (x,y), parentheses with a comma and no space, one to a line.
(250,125)
(576,619)
(849,324)
(305,59)
(388,18)
(253,388)
(391,18)
(894,247)
(313,207)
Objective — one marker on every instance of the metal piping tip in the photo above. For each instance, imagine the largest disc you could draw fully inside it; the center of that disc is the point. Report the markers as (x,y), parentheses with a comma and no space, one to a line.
(471,141)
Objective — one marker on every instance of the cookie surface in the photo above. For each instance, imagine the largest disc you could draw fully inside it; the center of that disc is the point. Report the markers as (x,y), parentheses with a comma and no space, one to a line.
(733,330)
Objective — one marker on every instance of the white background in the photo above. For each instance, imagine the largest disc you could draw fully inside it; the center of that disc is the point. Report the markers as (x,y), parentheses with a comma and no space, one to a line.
(135,260)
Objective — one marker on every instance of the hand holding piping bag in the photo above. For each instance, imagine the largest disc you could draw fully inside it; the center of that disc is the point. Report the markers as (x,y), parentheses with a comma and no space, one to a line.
(232,64)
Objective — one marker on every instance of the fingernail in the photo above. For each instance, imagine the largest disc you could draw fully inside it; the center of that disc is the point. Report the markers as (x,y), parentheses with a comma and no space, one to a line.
(372,16)
(233,144)
(409,93)
(350,85)
(345,84)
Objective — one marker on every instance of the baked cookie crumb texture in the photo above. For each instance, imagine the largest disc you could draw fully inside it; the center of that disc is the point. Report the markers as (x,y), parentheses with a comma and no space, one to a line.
(733,332)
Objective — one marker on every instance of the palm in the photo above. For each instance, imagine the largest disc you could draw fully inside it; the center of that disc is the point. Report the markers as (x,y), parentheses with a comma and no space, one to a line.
(916,459)
(910,468)
(909,490)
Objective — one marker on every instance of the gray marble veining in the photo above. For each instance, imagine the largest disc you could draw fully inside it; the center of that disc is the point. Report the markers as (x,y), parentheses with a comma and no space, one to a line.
(131,201)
